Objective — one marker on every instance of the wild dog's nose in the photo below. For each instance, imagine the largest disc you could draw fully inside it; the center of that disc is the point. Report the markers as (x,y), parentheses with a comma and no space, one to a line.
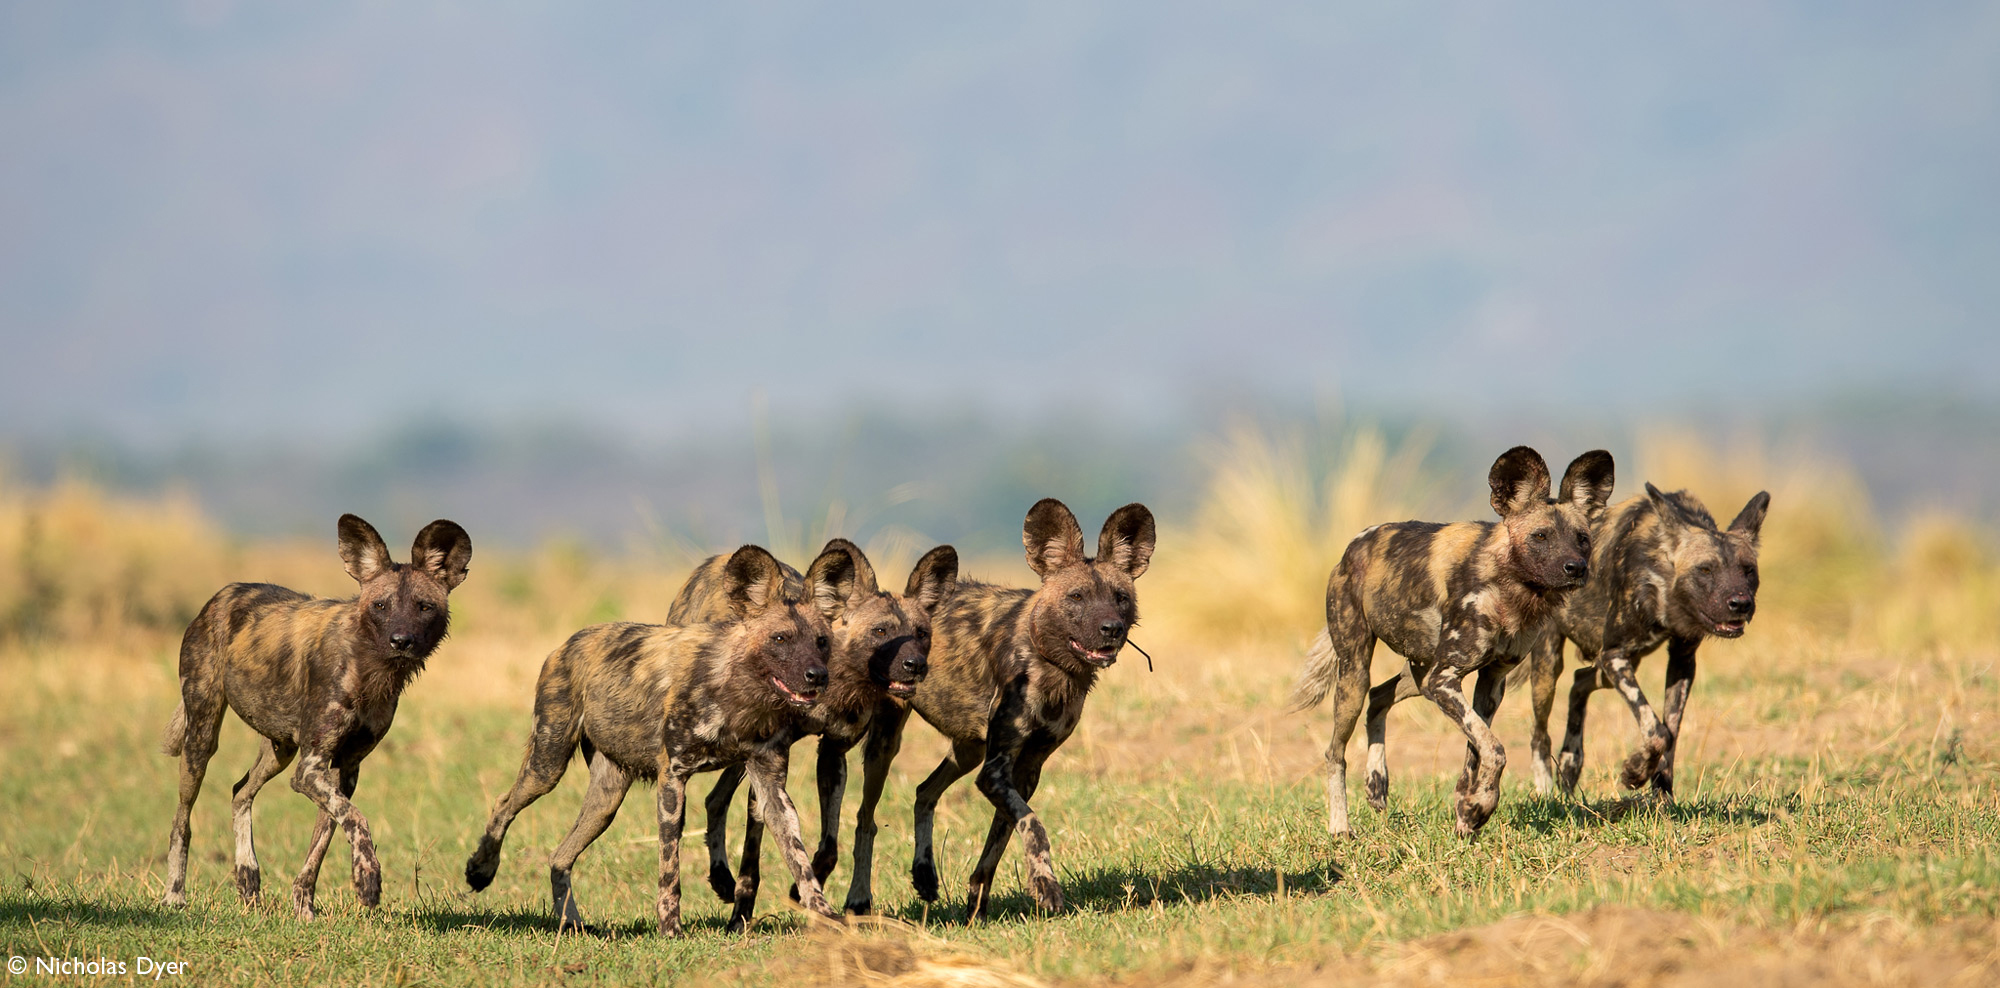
(915,665)
(1112,630)
(1741,603)
(400,642)
(816,676)
(1575,569)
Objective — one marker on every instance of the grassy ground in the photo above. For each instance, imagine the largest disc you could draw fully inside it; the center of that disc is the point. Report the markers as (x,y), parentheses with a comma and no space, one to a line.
(1841,795)
(1839,819)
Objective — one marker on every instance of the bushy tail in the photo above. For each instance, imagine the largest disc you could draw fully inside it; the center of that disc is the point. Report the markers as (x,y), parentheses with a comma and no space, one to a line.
(1317,680)
(175,736)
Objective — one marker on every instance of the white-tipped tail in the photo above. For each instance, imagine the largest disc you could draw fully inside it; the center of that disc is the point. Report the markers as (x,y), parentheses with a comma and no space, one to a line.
(1317,678)
(175,736)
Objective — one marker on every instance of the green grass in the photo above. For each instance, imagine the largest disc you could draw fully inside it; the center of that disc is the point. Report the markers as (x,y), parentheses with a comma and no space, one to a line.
(1200,863)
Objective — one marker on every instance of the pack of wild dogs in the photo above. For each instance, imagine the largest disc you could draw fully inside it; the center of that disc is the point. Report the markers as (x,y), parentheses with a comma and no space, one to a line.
(753,655)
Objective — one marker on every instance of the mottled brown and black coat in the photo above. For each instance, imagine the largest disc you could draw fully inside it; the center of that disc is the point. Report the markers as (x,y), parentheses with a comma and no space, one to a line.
(1662,573)
(880,654)
(1009,672)
(1453,599)
(316,678)
(646,701)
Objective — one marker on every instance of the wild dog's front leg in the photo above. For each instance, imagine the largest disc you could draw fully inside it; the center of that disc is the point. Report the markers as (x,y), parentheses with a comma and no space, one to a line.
(1487,691)
(767,781)
(1398,688)
(1479,792)
(1621,667)
(717,838)
(965,756)
(832,775)
(1545,665)
(272,760)
(885,736)
(1680,679)
(673,819)
(1569,764)
(328,787)
(1042,883)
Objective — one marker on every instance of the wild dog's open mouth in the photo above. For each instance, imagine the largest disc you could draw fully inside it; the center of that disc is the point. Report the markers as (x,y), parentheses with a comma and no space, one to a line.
(901,687)
(806,699)
(1729,629)
(1099,657)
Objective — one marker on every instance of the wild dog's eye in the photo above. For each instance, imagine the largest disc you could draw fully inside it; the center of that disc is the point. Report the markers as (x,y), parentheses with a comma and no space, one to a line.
(1121,599)
(381,605)
(1706,569)
(881,631)
(1582,540)
(1541,535)
(426,608)
(779,637)
(820,643)
(1076,595)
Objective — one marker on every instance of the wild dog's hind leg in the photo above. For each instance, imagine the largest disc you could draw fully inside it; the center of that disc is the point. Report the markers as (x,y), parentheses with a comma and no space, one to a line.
(200,717)
(965,756)
(557,734)
(1680,679)
(1545,664)
(272,760)
(608,784)
(1353,645)
(885,736)
(1011,812)
(1394,690)
(1569,764)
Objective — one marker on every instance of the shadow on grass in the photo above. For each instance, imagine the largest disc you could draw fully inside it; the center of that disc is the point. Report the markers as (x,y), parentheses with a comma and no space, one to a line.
(73,911)
(1546,815)
(1123,889)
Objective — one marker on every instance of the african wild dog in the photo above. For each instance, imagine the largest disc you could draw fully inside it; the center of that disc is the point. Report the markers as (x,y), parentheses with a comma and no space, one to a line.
(1661,573)
(311,674)
(881,646)
(648,701)
(1009,672)
(1452,599)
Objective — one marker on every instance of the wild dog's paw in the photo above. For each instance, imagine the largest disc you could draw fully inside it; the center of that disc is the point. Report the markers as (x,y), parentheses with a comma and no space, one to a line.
(739,920)
(483,865)
(924,878)
(1472,815)
(249,881)
(1048,893)
(174,899)
(302,902)
(1568,768)
(1639,768)
(858,906)
(1378,791)
(721,881)
(368,883)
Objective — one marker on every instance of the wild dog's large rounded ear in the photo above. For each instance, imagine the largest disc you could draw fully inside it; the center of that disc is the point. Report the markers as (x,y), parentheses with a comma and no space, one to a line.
(1671,518)
(935,577)
(830,579)
(1127,539)
(1052,537)
(362,550)
(1751,519)
(1588,482)
(864,572)
(444,551)
(752,580)
(1519,479)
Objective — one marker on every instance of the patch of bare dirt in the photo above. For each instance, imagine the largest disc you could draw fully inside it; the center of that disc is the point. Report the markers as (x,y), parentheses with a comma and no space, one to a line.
(1620,947)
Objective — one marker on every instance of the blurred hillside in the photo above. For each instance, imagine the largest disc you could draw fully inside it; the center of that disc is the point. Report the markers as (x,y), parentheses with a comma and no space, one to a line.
(956,477)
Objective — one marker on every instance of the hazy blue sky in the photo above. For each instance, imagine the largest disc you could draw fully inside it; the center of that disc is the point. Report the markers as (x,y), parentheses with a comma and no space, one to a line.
(233,219)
